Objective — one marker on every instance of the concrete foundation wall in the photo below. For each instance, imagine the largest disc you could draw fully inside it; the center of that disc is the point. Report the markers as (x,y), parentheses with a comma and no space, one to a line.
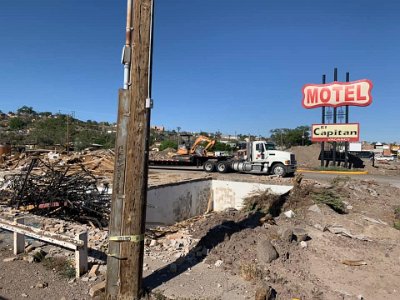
(228,194)
(173,203)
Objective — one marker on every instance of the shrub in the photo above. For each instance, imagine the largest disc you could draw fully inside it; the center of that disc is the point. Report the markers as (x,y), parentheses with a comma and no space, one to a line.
(330,198)
(168,144)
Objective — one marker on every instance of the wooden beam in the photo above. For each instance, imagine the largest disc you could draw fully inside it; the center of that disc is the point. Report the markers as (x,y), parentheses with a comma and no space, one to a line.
(81,255)
(42,235)
(19,239)
(79,244)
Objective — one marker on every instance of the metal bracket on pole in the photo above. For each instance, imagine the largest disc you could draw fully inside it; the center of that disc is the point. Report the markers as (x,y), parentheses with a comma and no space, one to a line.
(126,55)
(149,103)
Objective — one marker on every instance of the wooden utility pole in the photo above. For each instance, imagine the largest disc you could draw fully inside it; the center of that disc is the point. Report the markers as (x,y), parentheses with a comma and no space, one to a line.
(128,209)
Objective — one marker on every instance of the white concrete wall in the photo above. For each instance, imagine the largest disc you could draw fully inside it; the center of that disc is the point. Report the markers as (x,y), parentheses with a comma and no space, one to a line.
(173,203)
(228,194)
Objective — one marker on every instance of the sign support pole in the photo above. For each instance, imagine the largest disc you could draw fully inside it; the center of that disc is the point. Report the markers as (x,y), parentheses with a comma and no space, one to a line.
(346,145)
(323,122)
(334,122)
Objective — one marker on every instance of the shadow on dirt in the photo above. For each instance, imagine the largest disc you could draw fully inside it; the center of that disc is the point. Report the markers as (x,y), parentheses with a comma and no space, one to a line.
(214,236)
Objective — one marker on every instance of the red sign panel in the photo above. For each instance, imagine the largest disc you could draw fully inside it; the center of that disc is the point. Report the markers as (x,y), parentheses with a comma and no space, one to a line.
(349,132)
(354,93)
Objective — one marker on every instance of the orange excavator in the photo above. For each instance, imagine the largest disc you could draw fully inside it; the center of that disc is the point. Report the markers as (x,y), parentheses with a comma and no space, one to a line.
(197,147)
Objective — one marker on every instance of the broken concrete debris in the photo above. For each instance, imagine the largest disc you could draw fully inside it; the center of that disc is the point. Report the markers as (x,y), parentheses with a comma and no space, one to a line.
(218,263)
(94,271)
(289,214)
(265,293)
(300,234)
(266,252)
(286,234)
(10,259)
(41,285)
(303,244)
(315,208)
(97,289)
(338,229)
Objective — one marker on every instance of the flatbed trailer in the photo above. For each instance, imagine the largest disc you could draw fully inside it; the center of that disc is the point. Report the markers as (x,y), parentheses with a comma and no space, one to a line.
(187,160)
(259,158)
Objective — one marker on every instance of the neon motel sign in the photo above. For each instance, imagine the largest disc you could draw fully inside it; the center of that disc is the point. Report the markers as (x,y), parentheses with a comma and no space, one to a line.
(354,93)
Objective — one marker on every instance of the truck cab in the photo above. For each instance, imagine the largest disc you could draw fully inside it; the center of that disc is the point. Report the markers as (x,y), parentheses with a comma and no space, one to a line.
(277,162)
(259,157)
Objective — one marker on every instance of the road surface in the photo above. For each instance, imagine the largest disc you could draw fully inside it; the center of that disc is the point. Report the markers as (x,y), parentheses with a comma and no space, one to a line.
(392,180)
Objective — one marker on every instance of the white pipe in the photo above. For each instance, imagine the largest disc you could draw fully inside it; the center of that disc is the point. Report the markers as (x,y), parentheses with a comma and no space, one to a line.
(126,76)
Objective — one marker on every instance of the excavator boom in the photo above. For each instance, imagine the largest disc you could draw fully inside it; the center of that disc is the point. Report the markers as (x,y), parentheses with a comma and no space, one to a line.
(196,149)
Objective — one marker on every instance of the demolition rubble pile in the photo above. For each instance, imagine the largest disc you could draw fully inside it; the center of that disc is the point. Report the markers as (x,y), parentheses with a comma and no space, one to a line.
(60,187)
(165,154)
(99,162)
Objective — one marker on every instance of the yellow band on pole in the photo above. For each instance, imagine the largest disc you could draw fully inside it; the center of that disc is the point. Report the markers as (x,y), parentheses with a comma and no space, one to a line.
(127,238)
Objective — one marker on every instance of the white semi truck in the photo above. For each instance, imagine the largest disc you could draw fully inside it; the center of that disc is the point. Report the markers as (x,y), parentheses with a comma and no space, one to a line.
(259,157)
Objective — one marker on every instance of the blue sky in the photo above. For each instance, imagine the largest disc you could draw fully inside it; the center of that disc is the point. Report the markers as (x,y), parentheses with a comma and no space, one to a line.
(227,65)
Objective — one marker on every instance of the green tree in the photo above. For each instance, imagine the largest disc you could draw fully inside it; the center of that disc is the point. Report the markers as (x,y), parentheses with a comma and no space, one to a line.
(286,137)
(85,138)
(45,114)
(107,140)
(17,124)
(27,110)
(204,133)
(168,144)
(221,147)
(12,138)
(51,131)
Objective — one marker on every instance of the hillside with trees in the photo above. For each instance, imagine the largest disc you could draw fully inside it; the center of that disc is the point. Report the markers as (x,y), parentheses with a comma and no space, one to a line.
(45,129)
(26,126)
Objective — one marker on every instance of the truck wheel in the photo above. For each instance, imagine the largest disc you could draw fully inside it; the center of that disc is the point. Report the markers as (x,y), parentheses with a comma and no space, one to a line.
(222,167)
(209,166)
(279,170)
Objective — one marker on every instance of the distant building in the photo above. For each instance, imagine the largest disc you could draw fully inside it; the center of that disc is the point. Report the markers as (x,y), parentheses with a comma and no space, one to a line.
(367,146)
(229,137)
(229,143)
(158,128)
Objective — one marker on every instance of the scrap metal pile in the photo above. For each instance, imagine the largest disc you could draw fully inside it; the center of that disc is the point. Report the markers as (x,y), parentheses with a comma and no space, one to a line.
(68,191)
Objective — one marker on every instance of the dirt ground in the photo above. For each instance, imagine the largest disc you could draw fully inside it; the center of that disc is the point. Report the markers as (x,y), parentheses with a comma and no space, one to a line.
(361,262)
(23,280)
(317,253)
